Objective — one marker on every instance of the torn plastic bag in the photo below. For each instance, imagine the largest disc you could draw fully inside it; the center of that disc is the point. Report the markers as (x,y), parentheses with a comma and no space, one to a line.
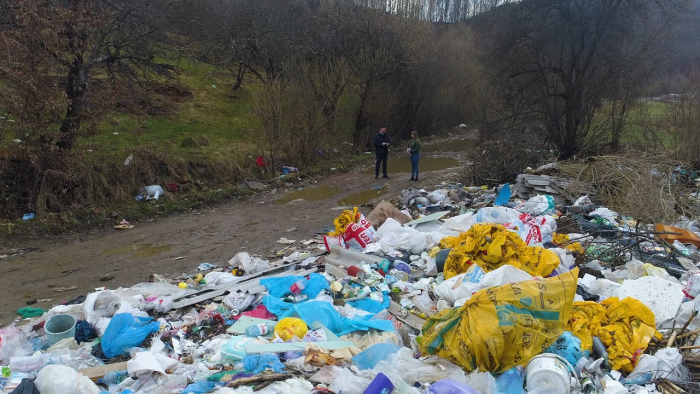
(393,235)
(126,331)
(250,265)
(624,326)
(348,383)
(323,312)
(241,301)
(13,343)
(59,379)
(492,246)
(369,358)
(501,327)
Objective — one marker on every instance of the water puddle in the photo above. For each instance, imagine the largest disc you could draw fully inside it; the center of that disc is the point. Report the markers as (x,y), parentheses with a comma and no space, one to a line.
(360,198)
(450,146)
(398,165)
(139,250)
(317,193)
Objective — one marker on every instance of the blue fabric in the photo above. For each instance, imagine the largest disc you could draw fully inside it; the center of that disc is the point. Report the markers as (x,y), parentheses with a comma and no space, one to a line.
(257,363)
(126,331)
(279,287)
(414,165)
(323,312)
(371,306)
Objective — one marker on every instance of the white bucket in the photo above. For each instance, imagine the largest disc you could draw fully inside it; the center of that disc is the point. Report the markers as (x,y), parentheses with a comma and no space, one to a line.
(549,374)
(59,327)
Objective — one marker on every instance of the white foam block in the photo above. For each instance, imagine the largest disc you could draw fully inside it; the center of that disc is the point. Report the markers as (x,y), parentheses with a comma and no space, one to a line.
(661,296)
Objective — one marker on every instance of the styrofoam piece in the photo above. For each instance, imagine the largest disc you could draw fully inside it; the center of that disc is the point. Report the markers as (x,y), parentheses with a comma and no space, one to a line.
(661,296)
(605,288)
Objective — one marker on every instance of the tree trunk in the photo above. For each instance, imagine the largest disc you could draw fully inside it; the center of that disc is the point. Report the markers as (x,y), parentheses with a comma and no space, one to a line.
(239,76)
(357,133)
(77,94)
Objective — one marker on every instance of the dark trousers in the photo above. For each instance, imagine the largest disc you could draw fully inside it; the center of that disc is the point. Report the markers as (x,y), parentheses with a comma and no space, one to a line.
(414,165)
(381,159)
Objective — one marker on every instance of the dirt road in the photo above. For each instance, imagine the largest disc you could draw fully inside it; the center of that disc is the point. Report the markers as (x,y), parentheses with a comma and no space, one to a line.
(59,269)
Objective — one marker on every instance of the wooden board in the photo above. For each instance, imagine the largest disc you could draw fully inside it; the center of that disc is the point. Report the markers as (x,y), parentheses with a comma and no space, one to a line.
(95,373)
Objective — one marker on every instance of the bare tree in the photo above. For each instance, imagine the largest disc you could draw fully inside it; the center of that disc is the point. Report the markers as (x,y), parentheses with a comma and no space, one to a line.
(559,58)
(72,38)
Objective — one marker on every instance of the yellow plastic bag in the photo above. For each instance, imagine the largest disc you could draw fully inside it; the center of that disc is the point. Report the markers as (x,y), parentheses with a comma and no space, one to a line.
(504,326)
(490,246)
(342,221)
(563,239)
(624,326)
(291,327)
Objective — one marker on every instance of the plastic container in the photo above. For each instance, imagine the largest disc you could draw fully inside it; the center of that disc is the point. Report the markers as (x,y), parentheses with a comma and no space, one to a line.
(258,330)
(399,275)
(59,327)
(380,385)
(384,265)
(548,373)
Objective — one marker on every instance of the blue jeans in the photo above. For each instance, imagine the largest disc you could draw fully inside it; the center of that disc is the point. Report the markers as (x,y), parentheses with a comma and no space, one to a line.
(414,165)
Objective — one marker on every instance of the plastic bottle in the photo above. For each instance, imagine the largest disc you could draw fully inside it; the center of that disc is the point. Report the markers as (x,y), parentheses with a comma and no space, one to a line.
(299,286)
(115,377)
(296,298)
(258,330)
(399,275)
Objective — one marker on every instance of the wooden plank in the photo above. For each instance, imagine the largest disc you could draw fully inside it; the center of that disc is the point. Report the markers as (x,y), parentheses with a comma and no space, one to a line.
(95,373)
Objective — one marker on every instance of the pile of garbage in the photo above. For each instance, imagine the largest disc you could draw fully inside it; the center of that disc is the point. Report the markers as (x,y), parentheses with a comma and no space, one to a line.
(450,291)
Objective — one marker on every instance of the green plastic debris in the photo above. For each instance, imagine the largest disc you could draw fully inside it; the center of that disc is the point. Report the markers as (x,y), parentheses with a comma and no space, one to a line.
(28,312)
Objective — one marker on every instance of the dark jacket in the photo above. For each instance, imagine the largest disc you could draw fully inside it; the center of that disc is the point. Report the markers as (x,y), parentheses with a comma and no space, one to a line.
(378,139)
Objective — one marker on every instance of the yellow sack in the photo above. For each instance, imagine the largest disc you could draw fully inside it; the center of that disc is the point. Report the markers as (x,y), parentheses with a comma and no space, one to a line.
(342,221)
(563,239)
(291,327)
(491,246)
(504,326)
(625,327)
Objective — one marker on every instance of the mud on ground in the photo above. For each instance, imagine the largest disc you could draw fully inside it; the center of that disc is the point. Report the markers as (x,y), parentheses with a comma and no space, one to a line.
(59,269)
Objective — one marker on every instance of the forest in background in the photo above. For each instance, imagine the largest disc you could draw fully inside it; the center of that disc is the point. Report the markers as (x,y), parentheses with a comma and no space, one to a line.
(192,91)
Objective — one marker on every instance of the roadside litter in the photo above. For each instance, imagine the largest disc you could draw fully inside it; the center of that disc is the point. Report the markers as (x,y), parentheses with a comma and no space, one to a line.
(459,290)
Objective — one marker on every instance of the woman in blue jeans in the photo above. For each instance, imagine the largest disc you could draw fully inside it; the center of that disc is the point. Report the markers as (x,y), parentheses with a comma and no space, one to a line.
(414,150)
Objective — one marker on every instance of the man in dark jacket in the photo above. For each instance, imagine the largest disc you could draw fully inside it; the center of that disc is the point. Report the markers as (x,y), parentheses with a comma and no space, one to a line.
(381,145)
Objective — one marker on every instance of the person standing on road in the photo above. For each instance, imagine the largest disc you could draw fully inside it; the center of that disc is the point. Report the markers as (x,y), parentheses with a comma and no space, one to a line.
(414,151)
(381,145)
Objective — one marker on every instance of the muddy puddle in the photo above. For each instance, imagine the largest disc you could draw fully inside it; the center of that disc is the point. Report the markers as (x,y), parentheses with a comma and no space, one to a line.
(399,165)
(139,250)
(363,197)
(317,193)
(450,146)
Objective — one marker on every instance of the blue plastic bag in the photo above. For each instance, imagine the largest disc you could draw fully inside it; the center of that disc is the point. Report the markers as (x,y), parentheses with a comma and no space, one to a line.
(280,287)
(448,386)
(126,331)
(510,382)
(257,363)
(201,387)
(373,355)
(371,306)
(323,312)
(569,347)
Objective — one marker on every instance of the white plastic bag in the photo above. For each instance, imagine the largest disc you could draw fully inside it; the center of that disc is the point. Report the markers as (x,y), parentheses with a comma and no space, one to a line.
(393,235)
(13,343)
(250,265)
(59,379)
(538,205)
(348,383)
